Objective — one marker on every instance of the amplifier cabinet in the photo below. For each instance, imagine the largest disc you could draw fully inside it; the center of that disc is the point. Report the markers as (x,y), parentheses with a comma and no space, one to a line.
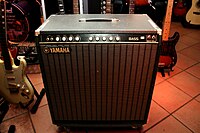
(99,70)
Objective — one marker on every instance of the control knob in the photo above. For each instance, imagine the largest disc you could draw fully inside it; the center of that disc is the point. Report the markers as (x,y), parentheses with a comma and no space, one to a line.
(51,38)
(104,38)
(110,38)
(90,38)
(77,38)
(57,38)
(64,38)
(71,38)
(117,38)
(97,38)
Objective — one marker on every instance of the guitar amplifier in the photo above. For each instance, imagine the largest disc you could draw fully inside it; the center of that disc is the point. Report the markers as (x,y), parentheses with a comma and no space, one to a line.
(99,69)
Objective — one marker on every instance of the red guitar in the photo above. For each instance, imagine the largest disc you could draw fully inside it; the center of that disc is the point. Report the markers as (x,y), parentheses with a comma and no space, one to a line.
(131,6)
(180,9)
(141,2)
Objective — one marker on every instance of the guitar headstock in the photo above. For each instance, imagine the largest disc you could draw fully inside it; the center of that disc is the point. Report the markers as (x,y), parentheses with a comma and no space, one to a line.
(106,7)
(131,6)
(3,16)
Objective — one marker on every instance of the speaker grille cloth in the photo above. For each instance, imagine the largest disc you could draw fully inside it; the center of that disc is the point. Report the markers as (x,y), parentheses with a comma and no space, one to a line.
(100,81)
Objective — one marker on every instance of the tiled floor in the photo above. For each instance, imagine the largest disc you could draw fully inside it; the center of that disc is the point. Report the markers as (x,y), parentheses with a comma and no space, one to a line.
(175,106)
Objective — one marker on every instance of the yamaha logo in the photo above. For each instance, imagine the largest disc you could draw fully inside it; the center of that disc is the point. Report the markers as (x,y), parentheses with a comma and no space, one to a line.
(56,50)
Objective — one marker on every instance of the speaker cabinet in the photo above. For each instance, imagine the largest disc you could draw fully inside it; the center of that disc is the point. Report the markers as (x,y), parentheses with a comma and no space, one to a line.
(99,70)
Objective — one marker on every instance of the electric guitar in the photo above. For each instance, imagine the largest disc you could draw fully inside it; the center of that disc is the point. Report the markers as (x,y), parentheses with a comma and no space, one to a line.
(141,2)
(61,7)
(14,85)
(180,9)
(132,6)
(168,55)
(13,50)
(106,7)
(75,7)
(193,15)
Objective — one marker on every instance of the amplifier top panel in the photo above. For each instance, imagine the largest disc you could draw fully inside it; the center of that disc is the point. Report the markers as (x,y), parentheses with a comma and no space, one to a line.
(99,23)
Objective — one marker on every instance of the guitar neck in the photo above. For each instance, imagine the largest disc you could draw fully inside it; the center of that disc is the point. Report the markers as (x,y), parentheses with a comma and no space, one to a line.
(131,6)
(61,7)
(167,21)
(3,36)
(108,7)
(75,6)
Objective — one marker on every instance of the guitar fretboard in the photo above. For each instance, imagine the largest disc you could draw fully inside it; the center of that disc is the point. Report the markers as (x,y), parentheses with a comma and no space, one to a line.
(167,22)
(3,36)
(108,7)
(76,7)
(61,7)
(131,6)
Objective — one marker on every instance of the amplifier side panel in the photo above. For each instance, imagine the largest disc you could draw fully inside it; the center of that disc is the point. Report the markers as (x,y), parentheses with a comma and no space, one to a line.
(99,82)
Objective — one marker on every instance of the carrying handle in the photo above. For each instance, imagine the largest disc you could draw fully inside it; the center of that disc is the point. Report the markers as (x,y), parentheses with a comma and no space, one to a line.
(98,20)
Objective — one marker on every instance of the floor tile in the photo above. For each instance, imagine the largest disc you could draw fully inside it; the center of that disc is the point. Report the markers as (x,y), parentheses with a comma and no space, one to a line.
(187,83)
(42,121)
(180,46)
(32,69)
(173,30)
(22,123)
(14,110)
(188,40)
(175,71)
(184,62)
(192,52)
(170,125)
(195,34)
(165,94)
(195,70)
(35,78)
(190,115)
(198,98)
(177,27)
(159,78)
(197,45)
(156,114)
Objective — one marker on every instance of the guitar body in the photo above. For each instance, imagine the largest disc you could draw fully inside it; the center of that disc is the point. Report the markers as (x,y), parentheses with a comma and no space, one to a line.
(193,15)
(13,51)
(180,9)
(14,85)
(168,55)
(141,2)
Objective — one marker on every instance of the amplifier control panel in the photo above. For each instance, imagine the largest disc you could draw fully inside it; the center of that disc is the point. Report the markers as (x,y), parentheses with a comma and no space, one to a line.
(100,38)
